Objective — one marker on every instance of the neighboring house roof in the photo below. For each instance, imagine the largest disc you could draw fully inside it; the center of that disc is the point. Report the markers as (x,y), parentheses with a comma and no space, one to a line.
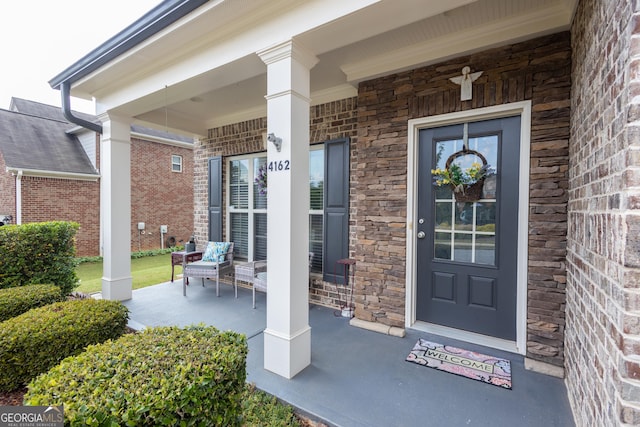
(55,113)
(46,111)
(41,143)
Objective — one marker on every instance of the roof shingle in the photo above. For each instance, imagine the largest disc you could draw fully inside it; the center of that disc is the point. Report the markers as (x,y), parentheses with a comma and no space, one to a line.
(30,142)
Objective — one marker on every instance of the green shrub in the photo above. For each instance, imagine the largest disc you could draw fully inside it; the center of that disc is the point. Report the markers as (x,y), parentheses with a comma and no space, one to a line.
(15,301)
(264,410)
(134,255)
(38,253)
(39,339)
(163,376)
(154,252)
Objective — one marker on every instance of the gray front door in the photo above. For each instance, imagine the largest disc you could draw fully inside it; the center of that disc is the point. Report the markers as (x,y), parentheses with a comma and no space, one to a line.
(467,251)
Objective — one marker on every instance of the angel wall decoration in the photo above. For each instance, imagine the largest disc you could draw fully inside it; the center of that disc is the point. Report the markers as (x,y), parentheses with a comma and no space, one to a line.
(466,82)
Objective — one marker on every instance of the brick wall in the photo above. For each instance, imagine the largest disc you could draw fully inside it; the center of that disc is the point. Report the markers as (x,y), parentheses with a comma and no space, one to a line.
(158,195)
(49,199)
(603,260)
(332,121)
(7,191)
(327,121)
(229,140)
(536,70)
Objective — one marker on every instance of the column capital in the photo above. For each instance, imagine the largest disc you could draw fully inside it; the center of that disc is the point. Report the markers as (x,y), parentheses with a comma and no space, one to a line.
(289,49)
(111,117)
(115,127)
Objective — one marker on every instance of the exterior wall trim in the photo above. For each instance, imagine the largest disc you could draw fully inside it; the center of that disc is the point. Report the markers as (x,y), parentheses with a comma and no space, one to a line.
(53,174)
(548,20)
(161,140)
(523,109)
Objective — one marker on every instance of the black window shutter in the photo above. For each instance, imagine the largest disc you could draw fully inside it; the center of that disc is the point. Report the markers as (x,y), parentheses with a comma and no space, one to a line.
(215,199)
(336,208)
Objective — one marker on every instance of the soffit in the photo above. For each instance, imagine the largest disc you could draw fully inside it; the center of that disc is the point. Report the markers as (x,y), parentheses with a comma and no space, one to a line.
(199,85)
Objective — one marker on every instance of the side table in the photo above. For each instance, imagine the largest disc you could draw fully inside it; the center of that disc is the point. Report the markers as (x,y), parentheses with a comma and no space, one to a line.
(247,271)
(349,269)
(183,257)
(251,272)
(259,283)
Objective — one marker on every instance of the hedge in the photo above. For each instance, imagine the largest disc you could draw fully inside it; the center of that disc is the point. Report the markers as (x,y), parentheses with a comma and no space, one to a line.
(164,376)
(39,339)
(15,301)
(262,409)
(134,255)
(39,253)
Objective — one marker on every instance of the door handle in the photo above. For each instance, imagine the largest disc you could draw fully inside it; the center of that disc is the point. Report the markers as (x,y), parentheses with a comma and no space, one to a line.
(421,234)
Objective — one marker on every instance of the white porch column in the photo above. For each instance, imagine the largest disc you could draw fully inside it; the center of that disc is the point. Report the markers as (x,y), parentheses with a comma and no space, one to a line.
(287,337)
(115,206)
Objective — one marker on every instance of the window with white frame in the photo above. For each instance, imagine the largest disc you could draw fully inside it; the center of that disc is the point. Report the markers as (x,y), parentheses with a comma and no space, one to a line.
(316,208)
(176,163)
(247,206)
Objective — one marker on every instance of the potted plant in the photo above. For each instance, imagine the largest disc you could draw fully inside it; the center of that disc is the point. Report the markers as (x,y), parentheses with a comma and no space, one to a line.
(466,183)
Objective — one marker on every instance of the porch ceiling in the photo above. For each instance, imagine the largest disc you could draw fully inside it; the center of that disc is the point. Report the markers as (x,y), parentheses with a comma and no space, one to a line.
(203,72)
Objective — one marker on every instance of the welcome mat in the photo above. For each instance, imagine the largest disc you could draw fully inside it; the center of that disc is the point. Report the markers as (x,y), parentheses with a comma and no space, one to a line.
(479,367)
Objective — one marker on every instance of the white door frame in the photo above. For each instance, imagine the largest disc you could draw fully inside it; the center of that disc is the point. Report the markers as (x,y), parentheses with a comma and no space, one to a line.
(523,109)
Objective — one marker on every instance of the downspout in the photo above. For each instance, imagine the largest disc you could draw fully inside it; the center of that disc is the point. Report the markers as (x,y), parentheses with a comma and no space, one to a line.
(19,197)
(66,109)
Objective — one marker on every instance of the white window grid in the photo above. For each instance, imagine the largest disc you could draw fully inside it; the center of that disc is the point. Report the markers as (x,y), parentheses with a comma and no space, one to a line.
(176,163)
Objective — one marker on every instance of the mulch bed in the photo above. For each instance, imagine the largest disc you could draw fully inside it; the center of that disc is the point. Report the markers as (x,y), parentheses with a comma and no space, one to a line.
(12,398)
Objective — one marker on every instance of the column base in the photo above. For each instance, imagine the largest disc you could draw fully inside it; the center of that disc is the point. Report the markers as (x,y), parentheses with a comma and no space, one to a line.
(287,355)
(118,289)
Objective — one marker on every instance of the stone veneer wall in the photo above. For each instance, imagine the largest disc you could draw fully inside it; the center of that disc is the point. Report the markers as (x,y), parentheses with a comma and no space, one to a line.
(603,261)
(536,70)
(328,121)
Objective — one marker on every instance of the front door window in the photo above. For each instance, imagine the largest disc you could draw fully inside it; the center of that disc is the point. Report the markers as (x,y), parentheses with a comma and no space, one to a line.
(466,231)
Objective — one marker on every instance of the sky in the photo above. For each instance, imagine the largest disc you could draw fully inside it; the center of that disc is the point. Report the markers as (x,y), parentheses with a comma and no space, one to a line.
(41,38)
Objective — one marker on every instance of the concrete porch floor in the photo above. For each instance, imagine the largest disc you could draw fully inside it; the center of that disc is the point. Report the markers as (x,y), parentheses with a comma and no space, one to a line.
(358,377)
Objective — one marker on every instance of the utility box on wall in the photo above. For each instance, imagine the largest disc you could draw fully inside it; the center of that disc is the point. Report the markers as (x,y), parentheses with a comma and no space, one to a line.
(163,228)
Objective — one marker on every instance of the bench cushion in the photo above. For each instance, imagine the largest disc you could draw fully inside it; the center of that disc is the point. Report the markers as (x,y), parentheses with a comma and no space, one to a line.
(216,251)
(205,264)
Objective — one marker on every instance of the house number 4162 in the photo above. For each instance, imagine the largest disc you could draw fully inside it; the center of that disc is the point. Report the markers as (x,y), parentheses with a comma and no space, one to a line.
(279,165)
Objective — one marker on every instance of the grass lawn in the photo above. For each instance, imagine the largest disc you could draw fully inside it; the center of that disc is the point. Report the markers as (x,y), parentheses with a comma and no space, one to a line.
(146,271)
